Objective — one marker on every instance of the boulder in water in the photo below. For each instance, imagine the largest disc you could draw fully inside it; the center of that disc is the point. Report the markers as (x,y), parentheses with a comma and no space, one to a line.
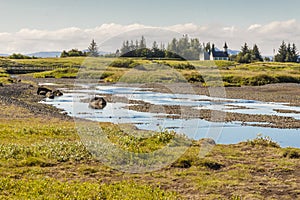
(43,91)
(50,95)
(97,103)
(57,93)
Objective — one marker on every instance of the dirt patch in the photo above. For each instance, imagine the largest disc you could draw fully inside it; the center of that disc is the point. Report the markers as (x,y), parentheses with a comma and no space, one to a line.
(284,92)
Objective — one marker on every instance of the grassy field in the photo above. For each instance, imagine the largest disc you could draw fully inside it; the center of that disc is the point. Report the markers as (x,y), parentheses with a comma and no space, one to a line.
(43,158)
(137,70)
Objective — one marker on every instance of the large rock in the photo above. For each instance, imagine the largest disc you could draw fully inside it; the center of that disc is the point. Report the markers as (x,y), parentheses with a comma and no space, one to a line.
(57,93)
(50,95)
(43,91)
(97,103)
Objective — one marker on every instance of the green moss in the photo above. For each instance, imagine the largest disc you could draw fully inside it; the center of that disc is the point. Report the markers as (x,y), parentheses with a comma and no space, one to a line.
(53,189)
(58,73)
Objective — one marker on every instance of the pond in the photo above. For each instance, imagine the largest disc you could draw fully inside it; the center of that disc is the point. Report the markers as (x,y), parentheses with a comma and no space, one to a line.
(195,128)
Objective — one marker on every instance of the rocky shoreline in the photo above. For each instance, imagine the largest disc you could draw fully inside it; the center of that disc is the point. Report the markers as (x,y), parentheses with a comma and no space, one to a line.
(24,95)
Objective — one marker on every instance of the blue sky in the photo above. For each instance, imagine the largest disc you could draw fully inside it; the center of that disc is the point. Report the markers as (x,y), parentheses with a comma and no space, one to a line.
(55,14)
(55,25)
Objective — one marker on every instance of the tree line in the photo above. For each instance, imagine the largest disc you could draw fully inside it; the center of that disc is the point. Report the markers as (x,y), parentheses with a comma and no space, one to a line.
(92,51)
(287,53)
(186,48)
(139,49)
(247,55)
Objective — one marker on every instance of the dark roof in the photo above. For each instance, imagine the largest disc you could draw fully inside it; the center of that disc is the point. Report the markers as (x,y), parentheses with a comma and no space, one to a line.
(225,46)
(220,54)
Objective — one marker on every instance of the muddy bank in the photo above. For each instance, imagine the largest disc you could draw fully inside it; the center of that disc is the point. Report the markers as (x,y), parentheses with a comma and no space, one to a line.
(24,95)
(285,92)
(185,112)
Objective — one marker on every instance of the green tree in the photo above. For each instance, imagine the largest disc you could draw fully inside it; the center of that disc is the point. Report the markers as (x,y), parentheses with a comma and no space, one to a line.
(20,56)
(173,46)
(282,53)
(207,47)
(72,53)
(143,43)
(289,56)
(267,59)
(295,54)
(125,48)
(245,55)
(93,49)
(256,56)
(64,54)
(245,49)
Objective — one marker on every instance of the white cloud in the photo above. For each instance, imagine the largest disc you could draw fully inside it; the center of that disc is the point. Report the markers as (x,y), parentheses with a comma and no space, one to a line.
(229,29)
(254,26)
(110,36)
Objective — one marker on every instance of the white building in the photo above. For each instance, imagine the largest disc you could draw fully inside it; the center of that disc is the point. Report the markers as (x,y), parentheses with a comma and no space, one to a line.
(215,55)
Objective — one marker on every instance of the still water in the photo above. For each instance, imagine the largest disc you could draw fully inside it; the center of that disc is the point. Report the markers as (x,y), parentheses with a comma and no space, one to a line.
(223,133)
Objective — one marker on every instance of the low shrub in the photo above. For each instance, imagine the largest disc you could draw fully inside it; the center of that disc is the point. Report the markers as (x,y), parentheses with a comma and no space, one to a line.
(124,63)
(291,153)
(263,141)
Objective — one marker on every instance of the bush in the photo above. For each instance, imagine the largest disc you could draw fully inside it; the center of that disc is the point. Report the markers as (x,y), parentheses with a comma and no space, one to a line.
(261,80)
(58,73)
(20,56)
(291,153)
(179,65)
(263,141)
(183,163)
(124,63)
(213,165)
(194,77)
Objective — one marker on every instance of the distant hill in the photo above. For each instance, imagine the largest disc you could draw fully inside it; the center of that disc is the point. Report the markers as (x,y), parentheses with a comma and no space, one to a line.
(230,51)
(100,52)
(4,55)
(53,54)
(45,54)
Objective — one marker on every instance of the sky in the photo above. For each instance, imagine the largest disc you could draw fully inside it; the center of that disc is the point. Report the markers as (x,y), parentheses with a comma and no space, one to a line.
(53,25)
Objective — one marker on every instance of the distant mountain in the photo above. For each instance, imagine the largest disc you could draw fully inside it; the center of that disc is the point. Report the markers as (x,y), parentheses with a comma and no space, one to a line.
(233,52)
(4,55)
(230,51)
(45,54)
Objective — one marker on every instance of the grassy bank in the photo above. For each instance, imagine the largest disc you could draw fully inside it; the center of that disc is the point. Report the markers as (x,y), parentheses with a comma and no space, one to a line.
(44,158)
(138,70)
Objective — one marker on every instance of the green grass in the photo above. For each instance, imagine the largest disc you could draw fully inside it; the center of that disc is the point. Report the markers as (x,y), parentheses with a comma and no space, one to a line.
(53,189)
(4,77)
(58,73)
(44,158)
(210,73)
(50,62)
